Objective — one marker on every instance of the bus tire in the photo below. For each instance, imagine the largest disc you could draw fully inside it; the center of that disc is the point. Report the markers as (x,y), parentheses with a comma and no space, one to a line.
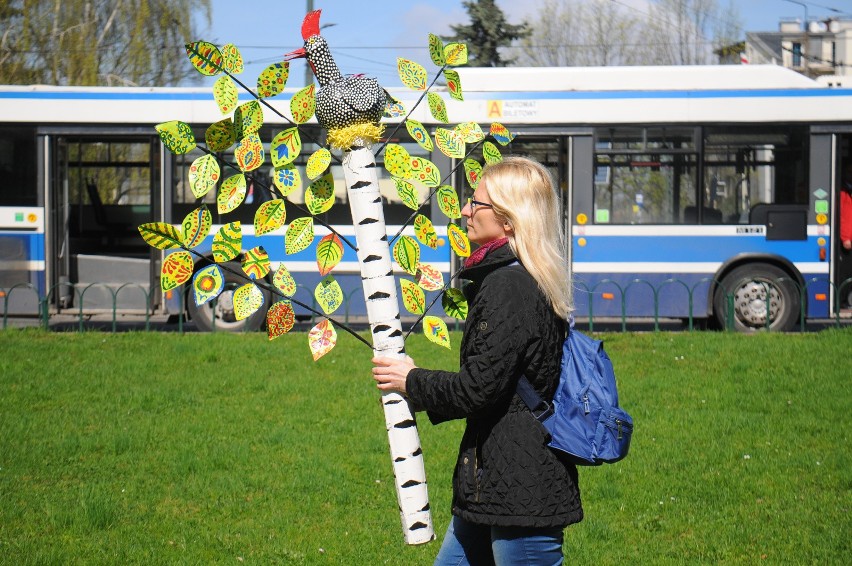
(749,284)
(223,307)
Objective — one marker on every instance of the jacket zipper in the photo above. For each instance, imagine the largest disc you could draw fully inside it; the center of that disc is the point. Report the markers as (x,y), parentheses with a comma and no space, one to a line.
(476,471)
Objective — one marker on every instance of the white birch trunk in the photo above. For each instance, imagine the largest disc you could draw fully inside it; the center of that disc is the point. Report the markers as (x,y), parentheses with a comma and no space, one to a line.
(365,202)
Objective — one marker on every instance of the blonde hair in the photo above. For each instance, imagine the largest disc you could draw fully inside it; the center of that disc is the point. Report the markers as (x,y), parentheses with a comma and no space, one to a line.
(522,192)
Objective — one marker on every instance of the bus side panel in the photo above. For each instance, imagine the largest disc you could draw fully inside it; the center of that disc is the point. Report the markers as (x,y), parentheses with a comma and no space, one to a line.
(21,259)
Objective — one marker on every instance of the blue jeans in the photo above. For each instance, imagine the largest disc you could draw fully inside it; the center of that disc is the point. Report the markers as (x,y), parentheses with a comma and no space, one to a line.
(468,544)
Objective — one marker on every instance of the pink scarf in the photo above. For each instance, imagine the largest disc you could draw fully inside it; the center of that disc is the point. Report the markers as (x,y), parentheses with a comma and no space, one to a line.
(483,250)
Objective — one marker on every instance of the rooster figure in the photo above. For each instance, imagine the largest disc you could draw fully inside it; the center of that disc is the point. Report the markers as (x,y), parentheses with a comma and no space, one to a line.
(348,106)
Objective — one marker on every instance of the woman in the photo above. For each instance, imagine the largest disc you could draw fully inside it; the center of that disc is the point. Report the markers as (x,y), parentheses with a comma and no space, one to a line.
(512,496)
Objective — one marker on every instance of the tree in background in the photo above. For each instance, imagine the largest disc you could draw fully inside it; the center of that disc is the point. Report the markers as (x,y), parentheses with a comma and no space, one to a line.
(97,42)
(609,32)
(487,33)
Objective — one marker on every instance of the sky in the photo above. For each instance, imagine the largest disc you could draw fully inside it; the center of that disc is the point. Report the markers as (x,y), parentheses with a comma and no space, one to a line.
(367,36)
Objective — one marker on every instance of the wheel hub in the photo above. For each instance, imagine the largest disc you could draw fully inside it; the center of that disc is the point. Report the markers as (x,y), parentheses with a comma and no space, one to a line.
(750,303)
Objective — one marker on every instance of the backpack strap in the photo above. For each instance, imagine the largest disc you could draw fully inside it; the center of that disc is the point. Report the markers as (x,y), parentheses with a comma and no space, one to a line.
(540,409)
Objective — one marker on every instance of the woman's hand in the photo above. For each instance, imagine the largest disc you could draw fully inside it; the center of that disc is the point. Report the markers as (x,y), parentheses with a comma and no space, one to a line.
(390,373)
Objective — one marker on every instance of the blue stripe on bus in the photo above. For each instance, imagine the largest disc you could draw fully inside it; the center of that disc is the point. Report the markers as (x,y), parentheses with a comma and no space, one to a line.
(686,249)
(495,95)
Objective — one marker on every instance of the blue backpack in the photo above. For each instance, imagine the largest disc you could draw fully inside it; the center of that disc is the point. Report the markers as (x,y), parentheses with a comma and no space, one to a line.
(584,420)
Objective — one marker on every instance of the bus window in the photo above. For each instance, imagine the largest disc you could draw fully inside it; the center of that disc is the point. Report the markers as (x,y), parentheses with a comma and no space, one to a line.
(644,175)
(744,167)
(18,167)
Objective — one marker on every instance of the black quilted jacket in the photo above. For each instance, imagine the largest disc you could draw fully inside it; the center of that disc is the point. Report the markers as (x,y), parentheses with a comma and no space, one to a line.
(505,474)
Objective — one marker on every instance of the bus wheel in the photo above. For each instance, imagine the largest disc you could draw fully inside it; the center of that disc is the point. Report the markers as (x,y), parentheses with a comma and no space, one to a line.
(222,309)
(749,285)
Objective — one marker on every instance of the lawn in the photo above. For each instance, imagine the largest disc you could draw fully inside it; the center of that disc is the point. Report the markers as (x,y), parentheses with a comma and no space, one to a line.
(156,448)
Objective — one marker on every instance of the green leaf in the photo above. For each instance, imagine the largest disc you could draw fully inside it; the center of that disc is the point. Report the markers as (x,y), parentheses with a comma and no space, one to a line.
(397,161)
(228,242)
(303,104)
(203,175)
(450,142)
(491,153)
(286,147)
(425,231)
(407,193)
(448,201)
(455,54)
(437,107)
(454,303)
(177,136)
(161,235)
(195,226)
(300,235)
(329,253)
(205,57)
(329,295)
(248,118)
(436,331)
(413,297)
(319,197)
(232,193)
(232,59)
(273,79)
(436,50)
(412,74)
(225,94)
(269,217)
(406,252)
(220,135)
(419,133)
(454,84)
(425,171)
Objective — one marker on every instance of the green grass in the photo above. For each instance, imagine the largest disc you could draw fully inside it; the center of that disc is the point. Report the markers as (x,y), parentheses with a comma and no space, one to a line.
(219,449)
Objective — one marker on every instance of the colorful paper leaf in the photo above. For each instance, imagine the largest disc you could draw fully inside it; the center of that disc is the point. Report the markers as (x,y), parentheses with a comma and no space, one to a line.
(207,283)
(450,142)
(247,300)
(412,74)
(322,339)
(303,104)
(270,216)
(177,136)
(454,84)
(397,161)
(232,60)
(394,109)
(436,50)
(285,147)
(437,107)
(329,253)
(300,235)
(425,171)
(436,331)
(470,132)
(448,201)
(454,303)
(280,319)
(205,57)
(458,240)
(248,118)
(472,172)
(318,162)
(284,281)
(328,294)
(177,269)
(220,135)
(249,153)
(425,231)
(161,235)
(203,175)
(407,193)
(501,133)
(429,277)
(232,193)
(195,226)
(455,54)
(419,133)
(413,297)
(287,179)
(406,252)
(256,263)
(491,153)
(319,197)
(273,79)
(225,94)
(228,242)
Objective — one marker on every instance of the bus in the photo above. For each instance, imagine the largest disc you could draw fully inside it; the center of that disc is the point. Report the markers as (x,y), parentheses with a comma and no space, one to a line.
(706,193)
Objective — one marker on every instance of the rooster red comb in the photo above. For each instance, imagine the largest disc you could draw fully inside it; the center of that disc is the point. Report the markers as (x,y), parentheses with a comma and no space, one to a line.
(310,26)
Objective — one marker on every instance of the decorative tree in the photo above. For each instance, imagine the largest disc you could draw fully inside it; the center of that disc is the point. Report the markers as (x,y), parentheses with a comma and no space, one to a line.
(350,108)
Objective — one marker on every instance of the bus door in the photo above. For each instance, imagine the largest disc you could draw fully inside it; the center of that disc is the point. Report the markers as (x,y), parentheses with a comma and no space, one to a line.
(842,271)
(102,187)
(21,223)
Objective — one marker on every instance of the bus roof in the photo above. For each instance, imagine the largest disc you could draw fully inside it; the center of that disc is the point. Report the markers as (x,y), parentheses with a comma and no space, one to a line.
(681,77)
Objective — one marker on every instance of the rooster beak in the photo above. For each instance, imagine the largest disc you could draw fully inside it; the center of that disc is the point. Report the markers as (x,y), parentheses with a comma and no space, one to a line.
(297,54)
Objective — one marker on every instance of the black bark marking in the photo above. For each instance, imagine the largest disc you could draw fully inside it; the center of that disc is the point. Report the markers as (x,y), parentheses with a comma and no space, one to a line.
(372,257)
(408,423)
(367,221)
(381,328)
(361,185)
(411,483)
(378,295)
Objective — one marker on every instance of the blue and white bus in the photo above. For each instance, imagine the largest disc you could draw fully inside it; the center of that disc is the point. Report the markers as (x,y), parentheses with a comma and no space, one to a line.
(690,192)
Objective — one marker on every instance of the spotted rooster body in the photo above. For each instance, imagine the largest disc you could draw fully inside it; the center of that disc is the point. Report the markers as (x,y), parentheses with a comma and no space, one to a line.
(342,100)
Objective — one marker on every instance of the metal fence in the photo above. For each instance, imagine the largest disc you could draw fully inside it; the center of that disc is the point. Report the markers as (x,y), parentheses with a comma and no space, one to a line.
(44,302)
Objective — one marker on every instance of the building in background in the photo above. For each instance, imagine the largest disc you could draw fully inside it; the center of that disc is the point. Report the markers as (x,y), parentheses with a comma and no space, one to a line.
(821,50)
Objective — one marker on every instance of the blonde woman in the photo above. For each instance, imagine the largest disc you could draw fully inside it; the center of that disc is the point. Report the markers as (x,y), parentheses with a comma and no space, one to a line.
(512,495)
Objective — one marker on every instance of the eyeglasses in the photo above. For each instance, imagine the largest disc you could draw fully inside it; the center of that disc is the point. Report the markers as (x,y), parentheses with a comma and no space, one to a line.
(474,203)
